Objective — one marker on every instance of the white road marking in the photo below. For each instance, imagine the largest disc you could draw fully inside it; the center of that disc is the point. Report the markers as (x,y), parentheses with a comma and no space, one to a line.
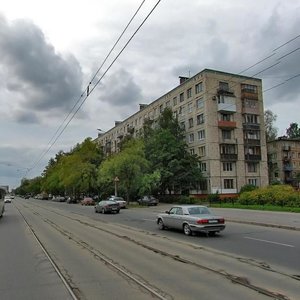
(281,244)
(149,220)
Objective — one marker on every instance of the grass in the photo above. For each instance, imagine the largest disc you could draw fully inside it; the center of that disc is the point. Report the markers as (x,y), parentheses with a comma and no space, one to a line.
(257,207)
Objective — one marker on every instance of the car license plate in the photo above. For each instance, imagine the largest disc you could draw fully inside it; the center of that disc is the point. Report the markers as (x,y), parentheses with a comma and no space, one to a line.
(213,221)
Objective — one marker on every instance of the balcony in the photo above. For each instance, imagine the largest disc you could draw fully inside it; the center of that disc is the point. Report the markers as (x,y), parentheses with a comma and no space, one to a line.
(251,126)
(286,148)
(226,124)
(252,157)
(246,94)
(287,168)
(225,91)
(228,157)
(252,142)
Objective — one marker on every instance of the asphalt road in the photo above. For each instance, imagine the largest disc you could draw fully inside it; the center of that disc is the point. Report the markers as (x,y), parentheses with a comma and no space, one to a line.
(126,256)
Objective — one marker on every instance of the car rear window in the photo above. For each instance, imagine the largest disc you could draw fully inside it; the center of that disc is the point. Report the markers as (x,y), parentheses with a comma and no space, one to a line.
(198,211)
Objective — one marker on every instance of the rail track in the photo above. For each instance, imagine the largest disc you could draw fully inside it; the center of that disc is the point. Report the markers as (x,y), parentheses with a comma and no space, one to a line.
(130,235)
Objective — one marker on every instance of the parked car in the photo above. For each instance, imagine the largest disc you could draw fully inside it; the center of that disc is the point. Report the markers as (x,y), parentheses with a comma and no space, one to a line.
(119,200)
(7,199)
(2,193)
(88,201)
(71,199)
(106,206)
(190,219)
(148,200)
(58,198)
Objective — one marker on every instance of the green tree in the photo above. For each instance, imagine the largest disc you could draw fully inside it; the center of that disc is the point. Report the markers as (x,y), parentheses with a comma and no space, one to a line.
(293,131)
(166,150)
(271,131)
(129,165)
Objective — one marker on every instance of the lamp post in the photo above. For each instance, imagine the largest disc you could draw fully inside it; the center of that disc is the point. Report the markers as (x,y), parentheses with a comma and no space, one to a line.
(116,180)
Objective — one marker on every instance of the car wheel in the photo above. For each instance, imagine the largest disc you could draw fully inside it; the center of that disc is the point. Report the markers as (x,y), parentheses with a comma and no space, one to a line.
(187,229)
(96,210)
(118,211)
(161,224)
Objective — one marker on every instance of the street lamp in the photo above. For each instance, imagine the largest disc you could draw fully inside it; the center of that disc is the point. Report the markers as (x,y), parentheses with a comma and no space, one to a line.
(116,180)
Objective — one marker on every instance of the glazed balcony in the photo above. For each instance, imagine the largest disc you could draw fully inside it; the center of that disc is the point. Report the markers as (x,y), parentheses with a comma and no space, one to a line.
(251,126)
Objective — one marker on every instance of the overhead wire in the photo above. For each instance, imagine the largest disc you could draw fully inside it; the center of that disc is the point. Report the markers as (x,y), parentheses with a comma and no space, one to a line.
(88,91)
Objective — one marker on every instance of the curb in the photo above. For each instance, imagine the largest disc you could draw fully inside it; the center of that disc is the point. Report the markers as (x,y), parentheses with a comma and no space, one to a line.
(287,227)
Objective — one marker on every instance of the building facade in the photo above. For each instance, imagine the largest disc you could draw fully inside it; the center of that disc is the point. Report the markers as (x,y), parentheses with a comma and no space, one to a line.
(223,117)
(284,160)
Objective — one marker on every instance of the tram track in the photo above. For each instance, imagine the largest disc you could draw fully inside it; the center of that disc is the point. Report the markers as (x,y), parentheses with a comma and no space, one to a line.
(154,291)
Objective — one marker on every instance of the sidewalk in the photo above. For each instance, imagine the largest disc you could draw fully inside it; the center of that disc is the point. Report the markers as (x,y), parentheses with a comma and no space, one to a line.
(284,220)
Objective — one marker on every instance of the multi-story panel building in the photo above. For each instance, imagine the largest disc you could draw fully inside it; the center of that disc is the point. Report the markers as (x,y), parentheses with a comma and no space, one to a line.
(223,118)
(284,160)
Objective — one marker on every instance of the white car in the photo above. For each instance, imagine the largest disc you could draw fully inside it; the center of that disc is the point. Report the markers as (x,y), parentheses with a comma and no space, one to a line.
(190,219)
(122,203)
(7,199)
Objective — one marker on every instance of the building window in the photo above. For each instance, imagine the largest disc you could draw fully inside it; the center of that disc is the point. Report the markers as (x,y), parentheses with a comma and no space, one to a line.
(190,107)
(182,125)
(168,104)
(189,93)
(226,134)
(225,117)
(227,166)
(191,138)
(223,86)
(200,119)
(252,181)
(249,88)
(181,110)
(192,151)
(191,122)
(174,101)
(251,119)
(181,97)
(202,166)
(252,135)
(201,134)
(249,103)
(252,167)
(198,88)
(228,183)
(199,103)
(161,108)
(201,151)
(228,149)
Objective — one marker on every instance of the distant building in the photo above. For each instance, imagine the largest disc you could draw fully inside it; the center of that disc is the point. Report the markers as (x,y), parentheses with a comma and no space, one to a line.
(284,160)
(223,117)
(5,187)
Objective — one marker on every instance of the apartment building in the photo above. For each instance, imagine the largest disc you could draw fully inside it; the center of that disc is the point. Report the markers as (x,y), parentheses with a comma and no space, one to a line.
(284,160)
(223,118)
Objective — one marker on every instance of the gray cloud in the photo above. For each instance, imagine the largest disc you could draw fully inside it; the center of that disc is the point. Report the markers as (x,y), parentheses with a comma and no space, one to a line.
(46,79)
(120,90)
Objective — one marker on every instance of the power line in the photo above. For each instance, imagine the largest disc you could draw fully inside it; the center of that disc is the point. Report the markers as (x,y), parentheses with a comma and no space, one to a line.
(99,80)
(86,91)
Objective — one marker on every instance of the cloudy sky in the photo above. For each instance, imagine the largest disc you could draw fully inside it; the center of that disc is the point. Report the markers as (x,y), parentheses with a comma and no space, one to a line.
(50,51)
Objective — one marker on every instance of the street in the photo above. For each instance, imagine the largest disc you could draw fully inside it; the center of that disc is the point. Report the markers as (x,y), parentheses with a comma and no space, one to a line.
(125,255)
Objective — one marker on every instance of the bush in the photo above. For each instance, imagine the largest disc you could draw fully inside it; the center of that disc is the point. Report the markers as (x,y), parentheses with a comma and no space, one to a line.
(213,198)
(279,195)
(248,188)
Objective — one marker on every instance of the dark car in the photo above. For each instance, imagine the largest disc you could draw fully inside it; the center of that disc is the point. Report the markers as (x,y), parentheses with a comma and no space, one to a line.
(107,206)
(148,200)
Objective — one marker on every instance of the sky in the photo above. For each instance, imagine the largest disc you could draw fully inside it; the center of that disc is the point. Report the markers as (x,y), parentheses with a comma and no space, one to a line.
(51,50)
